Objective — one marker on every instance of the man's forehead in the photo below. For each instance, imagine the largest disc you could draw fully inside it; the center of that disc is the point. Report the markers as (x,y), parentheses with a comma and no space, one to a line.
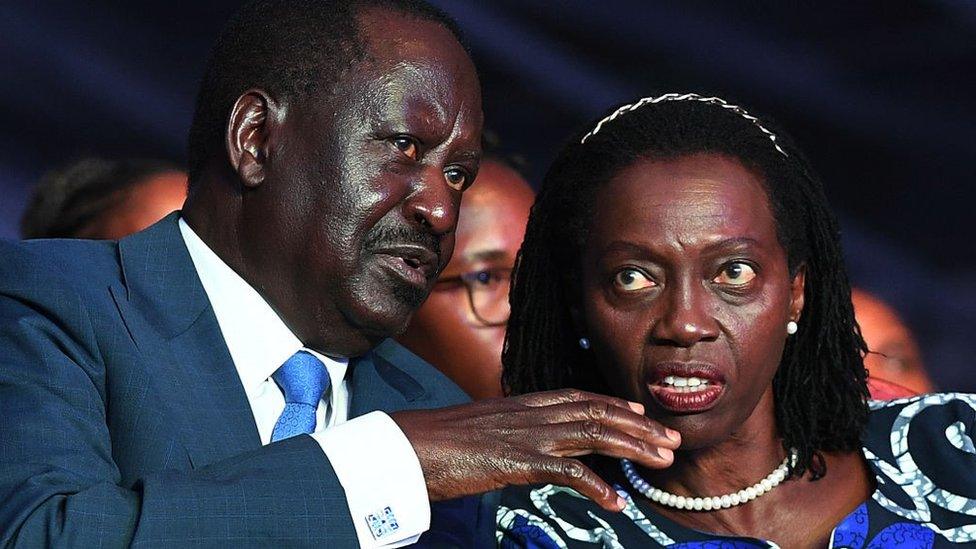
(413,86)
(414,63)
(389,34)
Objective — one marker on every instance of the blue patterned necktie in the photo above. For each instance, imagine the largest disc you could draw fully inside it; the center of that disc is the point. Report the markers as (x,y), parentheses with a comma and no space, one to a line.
(303,379)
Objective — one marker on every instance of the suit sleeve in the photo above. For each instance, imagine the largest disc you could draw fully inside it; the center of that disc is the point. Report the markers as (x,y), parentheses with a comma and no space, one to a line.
(59,484)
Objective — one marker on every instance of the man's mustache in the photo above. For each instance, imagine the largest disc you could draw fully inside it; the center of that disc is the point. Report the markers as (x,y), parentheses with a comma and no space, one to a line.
(382,237)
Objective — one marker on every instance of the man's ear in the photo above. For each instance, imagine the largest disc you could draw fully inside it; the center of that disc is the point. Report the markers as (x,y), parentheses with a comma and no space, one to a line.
(796,293)
(248,130)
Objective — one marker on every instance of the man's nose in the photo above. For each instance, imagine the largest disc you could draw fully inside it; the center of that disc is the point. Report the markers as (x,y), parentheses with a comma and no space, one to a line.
(683,317)
(433,204)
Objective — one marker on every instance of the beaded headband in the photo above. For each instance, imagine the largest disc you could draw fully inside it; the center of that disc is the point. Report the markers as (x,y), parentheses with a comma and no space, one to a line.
(685,97)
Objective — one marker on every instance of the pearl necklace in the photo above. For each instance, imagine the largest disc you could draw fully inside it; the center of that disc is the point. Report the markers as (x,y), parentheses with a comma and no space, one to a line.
(708,503)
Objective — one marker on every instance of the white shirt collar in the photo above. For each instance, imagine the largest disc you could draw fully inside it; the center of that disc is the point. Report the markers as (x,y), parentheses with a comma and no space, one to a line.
(258,340)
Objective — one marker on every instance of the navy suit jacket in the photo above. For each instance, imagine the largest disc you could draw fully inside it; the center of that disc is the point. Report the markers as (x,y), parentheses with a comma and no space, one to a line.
(123,420)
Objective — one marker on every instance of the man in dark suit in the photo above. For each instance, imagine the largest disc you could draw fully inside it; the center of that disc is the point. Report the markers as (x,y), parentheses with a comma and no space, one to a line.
(224,377)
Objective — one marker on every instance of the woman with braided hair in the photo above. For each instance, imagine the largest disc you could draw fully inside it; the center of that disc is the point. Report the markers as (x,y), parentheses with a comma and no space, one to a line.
(681,254)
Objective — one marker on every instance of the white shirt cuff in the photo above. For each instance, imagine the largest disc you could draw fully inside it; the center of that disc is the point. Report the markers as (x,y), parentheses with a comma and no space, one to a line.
(382,478)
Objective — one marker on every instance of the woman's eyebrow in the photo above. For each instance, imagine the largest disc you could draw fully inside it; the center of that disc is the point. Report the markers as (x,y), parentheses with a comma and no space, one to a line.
(736,243)
(633,247)
(628,247)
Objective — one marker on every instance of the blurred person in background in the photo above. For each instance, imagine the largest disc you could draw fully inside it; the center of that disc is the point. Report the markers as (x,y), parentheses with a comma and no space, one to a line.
(893,356)
(460,329)
(103,199)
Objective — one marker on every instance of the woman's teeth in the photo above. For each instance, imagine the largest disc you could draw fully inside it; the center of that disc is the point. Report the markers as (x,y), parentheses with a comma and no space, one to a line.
(685,384)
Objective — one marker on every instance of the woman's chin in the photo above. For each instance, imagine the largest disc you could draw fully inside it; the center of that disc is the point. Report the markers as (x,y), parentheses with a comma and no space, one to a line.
(698,431)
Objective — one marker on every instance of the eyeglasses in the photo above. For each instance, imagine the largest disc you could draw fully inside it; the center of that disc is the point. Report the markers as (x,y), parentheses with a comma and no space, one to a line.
(487,291)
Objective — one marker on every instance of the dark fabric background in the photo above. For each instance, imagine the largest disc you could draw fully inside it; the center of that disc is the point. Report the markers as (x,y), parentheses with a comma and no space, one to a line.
(879,94)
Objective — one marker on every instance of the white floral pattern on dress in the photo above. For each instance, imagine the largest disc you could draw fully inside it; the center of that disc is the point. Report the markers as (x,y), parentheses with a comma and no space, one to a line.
(913,482)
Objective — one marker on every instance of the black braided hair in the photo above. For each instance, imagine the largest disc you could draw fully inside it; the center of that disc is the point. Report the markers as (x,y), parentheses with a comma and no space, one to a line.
(820,387)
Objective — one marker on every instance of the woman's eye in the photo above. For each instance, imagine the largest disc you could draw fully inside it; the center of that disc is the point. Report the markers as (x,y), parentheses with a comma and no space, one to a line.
(631,280)
(406,145)
(457,178)
(736,273)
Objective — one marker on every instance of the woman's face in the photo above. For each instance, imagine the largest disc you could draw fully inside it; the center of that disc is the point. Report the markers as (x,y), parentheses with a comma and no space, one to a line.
(686,294)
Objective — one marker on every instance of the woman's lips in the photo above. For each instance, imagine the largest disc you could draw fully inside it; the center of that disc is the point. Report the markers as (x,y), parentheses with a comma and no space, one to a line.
(685,387)
(686,402)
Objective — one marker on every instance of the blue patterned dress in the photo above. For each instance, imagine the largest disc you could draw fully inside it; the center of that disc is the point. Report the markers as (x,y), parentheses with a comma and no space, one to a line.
(920,450)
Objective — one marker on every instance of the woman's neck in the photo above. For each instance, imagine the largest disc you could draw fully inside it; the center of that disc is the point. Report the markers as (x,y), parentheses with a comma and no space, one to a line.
(742,459)
(797,513)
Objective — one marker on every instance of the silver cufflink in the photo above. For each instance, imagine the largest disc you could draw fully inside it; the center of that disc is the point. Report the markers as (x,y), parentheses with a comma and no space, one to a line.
(382,523)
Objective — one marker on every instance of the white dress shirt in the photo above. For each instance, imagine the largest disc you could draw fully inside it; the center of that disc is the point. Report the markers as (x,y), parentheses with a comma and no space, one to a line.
(375,463)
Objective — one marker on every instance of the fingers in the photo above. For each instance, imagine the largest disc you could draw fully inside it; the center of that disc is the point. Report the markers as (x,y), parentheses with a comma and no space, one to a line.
(563,396)
(613,417)
(586,437)
(532,439)
(572,473)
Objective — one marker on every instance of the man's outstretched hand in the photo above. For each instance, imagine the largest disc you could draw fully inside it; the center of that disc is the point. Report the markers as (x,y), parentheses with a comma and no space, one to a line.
(475,448)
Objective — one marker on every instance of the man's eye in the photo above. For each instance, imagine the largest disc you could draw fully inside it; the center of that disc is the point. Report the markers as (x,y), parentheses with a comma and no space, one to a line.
(631,280)
(736,273)
(457,178)
(406,145)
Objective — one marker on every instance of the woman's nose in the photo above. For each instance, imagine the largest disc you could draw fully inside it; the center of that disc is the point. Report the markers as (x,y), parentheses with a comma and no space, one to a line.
(683,318)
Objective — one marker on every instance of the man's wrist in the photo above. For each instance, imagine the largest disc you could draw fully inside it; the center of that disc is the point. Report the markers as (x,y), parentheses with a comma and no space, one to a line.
(382,478)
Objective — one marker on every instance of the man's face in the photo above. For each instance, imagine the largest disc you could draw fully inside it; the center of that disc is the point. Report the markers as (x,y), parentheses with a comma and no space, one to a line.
(365,185)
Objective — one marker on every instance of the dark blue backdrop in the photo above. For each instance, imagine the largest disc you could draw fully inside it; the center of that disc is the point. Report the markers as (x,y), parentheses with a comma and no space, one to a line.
(879,93)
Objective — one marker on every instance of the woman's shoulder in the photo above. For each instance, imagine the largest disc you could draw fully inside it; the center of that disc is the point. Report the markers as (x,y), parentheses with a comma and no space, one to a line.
(931,427)
(922,453)
(926,399)
(891,420)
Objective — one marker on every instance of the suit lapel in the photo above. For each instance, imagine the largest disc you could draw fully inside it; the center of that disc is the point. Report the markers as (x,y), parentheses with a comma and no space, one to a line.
(377,384)
(169,317)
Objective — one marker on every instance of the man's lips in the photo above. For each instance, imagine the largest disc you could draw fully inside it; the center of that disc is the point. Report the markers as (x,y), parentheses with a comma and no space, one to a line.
(416,264)
(685,387)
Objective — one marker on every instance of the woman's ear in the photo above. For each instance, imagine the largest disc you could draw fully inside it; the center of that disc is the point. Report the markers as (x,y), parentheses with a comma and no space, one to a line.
(796,293)
(573,295)
(576,317)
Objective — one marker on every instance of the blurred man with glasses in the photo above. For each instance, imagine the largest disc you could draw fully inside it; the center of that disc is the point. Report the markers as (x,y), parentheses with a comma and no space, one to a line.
(461,327)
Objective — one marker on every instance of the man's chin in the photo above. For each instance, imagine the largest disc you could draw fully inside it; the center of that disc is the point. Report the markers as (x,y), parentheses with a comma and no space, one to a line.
(410,296)
(381,304)
(379,317)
